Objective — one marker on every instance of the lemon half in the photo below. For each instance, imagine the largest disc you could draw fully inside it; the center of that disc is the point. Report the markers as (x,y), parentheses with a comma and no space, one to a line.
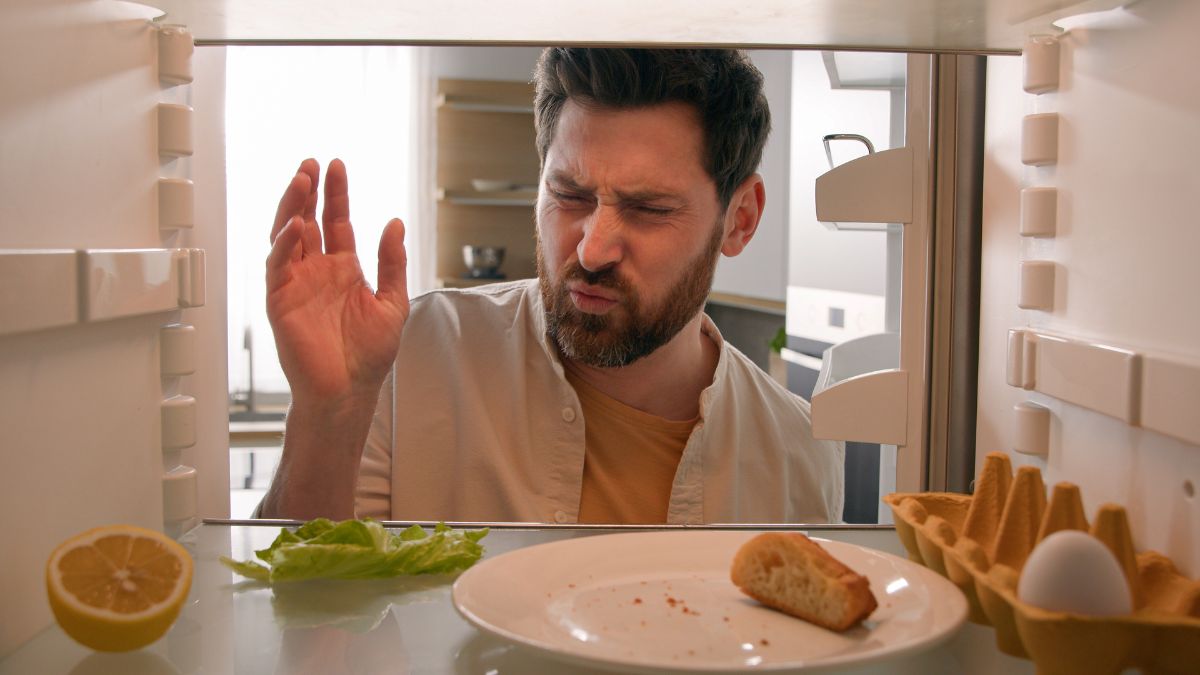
(119,587)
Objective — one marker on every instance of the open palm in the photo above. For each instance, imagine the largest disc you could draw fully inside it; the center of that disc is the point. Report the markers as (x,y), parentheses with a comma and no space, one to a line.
(335,336)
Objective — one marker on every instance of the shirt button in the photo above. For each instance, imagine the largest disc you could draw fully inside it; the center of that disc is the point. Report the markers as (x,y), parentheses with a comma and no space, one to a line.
(561,517)
(568,414)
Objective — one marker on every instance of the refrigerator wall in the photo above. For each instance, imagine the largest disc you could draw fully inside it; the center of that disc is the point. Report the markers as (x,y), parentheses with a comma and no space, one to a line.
(1121,261)
(80,430)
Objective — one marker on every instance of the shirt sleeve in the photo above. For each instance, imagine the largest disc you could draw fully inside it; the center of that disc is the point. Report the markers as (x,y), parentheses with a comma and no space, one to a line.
(835,497)
(373,494)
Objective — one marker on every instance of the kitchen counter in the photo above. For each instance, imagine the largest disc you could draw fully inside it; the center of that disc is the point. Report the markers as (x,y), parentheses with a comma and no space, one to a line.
(406,626)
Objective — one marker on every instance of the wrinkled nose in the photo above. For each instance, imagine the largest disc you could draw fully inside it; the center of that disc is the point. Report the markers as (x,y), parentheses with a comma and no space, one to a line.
(602,243)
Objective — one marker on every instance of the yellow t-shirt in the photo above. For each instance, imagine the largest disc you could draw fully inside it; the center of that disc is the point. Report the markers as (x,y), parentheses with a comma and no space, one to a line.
(630,459)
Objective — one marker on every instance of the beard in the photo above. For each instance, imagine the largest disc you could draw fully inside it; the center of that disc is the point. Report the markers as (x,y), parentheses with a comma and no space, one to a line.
(629,331)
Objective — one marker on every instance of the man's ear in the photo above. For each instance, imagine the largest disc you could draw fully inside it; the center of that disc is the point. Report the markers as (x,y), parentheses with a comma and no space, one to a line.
(743,214)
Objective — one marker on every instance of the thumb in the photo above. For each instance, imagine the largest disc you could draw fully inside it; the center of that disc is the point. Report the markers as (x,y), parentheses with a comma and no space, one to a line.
(393,264)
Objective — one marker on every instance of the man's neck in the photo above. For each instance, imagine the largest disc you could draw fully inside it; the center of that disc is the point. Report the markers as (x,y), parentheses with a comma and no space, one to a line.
(667,382)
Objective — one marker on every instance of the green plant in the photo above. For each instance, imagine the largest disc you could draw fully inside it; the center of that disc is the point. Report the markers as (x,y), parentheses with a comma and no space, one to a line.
(778,342)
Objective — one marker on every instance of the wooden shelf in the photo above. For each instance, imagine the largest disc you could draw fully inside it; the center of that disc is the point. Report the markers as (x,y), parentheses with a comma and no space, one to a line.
(255,434)
(747,302)
(475,105)
(525,198)
(479,137)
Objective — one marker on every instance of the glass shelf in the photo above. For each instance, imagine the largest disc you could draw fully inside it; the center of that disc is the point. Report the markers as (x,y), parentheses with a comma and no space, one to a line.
(401,625)
(970,26)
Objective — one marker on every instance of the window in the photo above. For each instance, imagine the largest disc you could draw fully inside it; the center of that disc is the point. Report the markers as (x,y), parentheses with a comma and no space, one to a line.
(283,104)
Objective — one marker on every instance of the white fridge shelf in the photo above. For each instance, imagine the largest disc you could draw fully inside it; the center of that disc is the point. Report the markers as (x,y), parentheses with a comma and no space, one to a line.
(861,394)
(59,287)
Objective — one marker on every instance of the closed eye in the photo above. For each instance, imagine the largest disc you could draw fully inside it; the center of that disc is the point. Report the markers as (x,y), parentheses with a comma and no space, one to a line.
(571,197)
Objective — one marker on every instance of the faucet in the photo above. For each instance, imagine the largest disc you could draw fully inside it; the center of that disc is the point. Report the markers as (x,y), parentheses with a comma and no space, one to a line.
(246,398)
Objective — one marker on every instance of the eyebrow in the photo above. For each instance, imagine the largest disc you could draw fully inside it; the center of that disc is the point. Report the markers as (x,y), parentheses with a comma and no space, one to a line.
(569,182)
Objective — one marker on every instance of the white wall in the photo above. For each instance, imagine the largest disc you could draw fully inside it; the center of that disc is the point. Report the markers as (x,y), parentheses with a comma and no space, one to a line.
(760,271)
(484,63)
(819,257)
(1126,248)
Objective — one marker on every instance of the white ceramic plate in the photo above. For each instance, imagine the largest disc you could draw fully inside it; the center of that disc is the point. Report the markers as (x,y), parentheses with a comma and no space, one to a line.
(662,602)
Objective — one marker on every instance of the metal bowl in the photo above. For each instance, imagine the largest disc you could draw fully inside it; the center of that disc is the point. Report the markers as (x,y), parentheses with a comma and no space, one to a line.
(483,262)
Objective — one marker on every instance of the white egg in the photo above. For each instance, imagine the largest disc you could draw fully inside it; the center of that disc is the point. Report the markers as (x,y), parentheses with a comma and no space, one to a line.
(1071,571)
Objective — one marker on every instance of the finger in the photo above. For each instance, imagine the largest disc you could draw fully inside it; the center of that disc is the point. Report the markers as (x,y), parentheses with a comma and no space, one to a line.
(310,236)
(285,250)
(393,263)
(311,167)
(295,201)
(339,235)
(292,202)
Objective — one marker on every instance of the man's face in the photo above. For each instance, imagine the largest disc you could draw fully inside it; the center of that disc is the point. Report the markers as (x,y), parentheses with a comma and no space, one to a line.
(629,228)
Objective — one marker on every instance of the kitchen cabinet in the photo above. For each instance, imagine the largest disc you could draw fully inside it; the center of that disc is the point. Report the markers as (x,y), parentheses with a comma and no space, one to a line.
(485,133)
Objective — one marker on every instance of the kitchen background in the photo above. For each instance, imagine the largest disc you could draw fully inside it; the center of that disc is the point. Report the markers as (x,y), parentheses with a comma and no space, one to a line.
(413,149)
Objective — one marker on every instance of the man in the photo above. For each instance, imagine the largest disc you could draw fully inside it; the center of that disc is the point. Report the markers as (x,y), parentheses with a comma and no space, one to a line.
(599,392)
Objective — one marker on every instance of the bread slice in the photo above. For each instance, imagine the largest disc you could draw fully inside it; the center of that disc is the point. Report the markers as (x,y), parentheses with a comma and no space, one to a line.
(791,573)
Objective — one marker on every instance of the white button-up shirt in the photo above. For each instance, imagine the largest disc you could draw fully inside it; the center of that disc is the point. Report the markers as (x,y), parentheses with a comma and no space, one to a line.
(476,422)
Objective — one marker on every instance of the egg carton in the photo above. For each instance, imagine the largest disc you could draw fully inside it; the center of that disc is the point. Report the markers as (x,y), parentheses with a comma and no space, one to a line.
(981,543)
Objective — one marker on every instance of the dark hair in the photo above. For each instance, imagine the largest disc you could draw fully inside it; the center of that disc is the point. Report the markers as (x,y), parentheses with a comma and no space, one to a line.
(722,85)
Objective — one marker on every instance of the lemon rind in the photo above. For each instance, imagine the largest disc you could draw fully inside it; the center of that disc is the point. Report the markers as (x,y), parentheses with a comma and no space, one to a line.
(177,596)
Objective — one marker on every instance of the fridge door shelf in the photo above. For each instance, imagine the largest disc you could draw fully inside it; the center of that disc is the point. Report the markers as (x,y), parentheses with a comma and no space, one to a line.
(1153,391)
(860,393)
(59,287)
(886,177)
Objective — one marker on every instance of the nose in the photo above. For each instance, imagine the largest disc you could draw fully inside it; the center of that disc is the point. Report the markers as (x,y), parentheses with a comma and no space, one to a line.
(602,244)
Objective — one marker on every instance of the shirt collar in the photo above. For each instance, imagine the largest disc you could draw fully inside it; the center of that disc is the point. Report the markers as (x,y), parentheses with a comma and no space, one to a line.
(533,293)
(708,328)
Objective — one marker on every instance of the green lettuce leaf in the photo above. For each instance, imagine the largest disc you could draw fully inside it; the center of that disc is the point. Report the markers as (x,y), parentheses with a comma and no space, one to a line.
(361,549)
(249,568)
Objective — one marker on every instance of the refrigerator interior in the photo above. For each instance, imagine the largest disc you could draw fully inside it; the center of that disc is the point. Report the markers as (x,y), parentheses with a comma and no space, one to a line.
(80,400)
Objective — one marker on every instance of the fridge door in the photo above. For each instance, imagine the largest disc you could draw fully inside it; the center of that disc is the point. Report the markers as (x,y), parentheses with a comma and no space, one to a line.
(110,403)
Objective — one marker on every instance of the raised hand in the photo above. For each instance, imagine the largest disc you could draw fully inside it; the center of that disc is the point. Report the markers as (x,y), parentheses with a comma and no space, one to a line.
(335,336)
